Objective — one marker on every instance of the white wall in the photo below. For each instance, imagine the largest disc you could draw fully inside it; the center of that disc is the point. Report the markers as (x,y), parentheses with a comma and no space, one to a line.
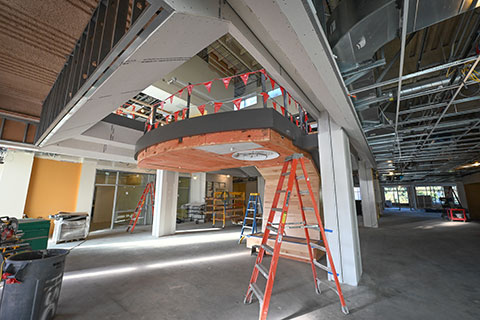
(14,181)
(165,214)
(86,187)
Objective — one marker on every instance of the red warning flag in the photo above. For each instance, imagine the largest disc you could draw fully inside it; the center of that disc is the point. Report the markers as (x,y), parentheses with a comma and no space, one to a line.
(156,125)
(190,89)
(289,99)
(208,85)
(283,91)
(180,93)
(201,109)
(175,115)
(283,110)
(162,104)
(265,96)
(272,82)
(274,105)
(237,102)
(184,112)
(226,81)
(217,106)
(245,77)
(167,119)
(171,98)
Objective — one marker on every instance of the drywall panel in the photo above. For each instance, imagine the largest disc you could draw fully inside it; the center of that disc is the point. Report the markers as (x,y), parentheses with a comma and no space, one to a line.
(86,187)
(14,181)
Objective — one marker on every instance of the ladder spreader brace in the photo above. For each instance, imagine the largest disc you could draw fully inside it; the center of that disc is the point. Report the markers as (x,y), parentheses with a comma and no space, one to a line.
(279,229)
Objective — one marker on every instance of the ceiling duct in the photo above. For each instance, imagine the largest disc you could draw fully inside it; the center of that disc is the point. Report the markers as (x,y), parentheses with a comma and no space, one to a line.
(358,28)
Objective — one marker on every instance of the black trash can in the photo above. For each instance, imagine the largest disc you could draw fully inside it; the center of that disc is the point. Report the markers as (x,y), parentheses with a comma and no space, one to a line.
(31,285)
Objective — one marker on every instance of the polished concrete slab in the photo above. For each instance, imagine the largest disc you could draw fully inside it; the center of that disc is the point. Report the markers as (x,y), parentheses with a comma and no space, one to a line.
(414,268)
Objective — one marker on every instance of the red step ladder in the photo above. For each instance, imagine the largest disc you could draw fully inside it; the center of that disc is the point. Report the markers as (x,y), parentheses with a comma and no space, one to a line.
(149,190)
(279,228)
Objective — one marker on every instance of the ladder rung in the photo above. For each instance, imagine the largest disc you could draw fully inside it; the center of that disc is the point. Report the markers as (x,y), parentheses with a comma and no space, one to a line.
(321,266)
(277,209)
(308,208)
(300,177)
(304,192)
(317,246)
(286,173)
(248,218)
(247,227)
(262,270)
(267,248)
(250,209)
(272,228)
(312,226)
(280,191)
(256,291)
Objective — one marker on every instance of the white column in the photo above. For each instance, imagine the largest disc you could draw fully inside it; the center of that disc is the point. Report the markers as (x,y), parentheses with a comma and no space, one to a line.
(86,187)
(367,190)
(14,181)
(338,200)
(197,187)
(165,213)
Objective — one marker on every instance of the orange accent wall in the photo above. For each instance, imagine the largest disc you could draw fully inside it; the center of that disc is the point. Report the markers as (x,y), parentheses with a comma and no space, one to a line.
(53,187)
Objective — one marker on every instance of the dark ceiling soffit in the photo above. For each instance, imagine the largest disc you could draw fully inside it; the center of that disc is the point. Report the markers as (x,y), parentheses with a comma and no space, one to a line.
(124,122)
(229,121)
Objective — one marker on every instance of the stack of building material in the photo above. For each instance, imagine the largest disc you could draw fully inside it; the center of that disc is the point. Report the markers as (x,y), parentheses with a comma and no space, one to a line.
(195,211)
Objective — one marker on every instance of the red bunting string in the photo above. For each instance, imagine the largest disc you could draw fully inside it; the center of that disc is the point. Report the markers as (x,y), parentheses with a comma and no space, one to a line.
(175,115)
(272,82)
(190,89)
(208,85)
(162,104)
(226,81)
(263,72)
(283,110)
(289,99)
(265,96)
(274,105)
(283,91)
(245,77)
(217,106)
(167,119)
(171,98)
(201,109)
(237,102)
(156,125)
(180,93)
(184,112)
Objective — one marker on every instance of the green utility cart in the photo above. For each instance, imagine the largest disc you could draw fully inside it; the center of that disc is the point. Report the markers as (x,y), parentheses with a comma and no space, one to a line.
(35,232)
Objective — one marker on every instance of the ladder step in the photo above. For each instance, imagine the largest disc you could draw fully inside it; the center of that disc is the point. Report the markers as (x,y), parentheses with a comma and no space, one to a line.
(250,209)
(247,227)
(303,192)
(317,246)
(286,173)
(272,228)
(256,291)
(277,209)
(321,266)
(300,177)
(280,191)
(308,208)
(248,218)
(267,248)
(262,270)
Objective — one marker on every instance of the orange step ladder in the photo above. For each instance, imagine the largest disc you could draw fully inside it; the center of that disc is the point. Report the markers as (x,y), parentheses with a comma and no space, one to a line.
(279,228)
(149,190)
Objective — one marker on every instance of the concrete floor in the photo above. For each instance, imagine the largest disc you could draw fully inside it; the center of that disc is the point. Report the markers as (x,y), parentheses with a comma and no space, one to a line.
(414,268)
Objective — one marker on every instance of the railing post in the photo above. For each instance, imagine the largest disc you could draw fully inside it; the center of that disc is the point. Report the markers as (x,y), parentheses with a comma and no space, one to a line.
(188,102)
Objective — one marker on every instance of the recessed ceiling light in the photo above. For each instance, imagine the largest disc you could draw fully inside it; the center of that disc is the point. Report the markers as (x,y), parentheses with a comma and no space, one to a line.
(255,155)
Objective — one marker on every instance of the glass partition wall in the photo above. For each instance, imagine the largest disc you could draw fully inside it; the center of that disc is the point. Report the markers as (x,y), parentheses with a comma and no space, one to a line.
(116,197)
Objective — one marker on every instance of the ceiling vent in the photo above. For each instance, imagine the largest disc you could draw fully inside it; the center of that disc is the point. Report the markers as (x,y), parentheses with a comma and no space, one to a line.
(255,155)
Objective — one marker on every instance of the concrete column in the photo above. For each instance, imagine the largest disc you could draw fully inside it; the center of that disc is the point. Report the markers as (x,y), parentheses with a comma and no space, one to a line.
(197,187)
(412,197)
(378,196)
(367,190)
(338,200)
(165,213)
(14,181)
